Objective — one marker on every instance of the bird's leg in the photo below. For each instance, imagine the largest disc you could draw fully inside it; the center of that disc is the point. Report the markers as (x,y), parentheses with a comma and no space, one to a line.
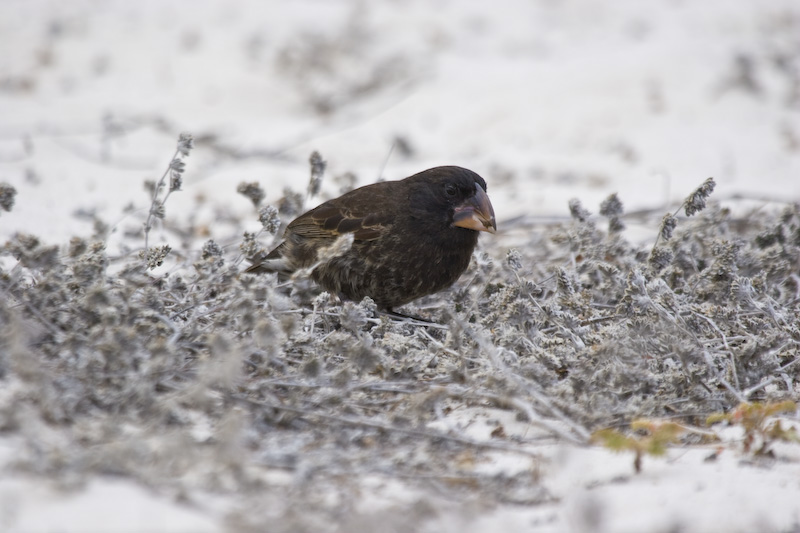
(401,316)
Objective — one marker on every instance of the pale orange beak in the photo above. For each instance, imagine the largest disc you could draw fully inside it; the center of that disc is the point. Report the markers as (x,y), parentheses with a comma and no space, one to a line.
(476,213)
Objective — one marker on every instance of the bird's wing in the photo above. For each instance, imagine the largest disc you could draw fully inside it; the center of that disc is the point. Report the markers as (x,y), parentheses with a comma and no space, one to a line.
(368,213)
(328,222)
(364,212)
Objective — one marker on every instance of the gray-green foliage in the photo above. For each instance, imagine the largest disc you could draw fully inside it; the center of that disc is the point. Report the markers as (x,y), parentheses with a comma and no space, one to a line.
(206,378)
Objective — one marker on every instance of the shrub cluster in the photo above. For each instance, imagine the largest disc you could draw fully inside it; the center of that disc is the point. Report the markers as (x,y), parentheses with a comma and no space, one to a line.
(205,378)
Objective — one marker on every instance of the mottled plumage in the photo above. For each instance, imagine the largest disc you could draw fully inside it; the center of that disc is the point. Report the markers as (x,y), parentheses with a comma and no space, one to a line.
(411,237)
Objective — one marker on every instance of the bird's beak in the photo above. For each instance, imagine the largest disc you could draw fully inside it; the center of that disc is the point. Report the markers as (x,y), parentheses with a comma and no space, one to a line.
(476,213)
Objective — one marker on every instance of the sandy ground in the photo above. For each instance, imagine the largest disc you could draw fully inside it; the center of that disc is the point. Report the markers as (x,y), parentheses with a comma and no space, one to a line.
(549,100)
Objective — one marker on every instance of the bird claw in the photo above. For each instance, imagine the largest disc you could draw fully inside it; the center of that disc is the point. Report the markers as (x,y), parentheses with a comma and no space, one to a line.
(410,319)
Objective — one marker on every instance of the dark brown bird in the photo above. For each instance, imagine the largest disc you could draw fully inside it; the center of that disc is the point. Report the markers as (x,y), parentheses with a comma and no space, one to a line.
(411,237)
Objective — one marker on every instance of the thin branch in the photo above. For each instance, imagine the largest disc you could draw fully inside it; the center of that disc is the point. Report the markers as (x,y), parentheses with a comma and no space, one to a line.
(427,434)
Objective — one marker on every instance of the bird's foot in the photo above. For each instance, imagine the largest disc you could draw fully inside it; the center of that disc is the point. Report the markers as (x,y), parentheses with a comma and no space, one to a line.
(414,320)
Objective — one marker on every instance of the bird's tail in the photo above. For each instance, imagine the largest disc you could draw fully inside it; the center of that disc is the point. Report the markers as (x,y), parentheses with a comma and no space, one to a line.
(271,262)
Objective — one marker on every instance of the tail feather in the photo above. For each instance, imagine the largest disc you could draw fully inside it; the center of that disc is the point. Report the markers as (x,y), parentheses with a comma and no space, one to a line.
(271,262)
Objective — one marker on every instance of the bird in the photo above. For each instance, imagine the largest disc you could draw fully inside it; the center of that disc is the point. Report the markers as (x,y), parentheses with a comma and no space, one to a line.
(410,238)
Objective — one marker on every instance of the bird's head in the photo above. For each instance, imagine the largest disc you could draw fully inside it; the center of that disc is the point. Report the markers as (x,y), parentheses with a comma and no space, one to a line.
(454,195)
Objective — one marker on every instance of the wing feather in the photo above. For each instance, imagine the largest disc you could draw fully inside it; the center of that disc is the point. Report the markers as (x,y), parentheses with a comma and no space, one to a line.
(365,212)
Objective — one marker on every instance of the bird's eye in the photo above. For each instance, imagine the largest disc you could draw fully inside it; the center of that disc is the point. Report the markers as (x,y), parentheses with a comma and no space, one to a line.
(450,189)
